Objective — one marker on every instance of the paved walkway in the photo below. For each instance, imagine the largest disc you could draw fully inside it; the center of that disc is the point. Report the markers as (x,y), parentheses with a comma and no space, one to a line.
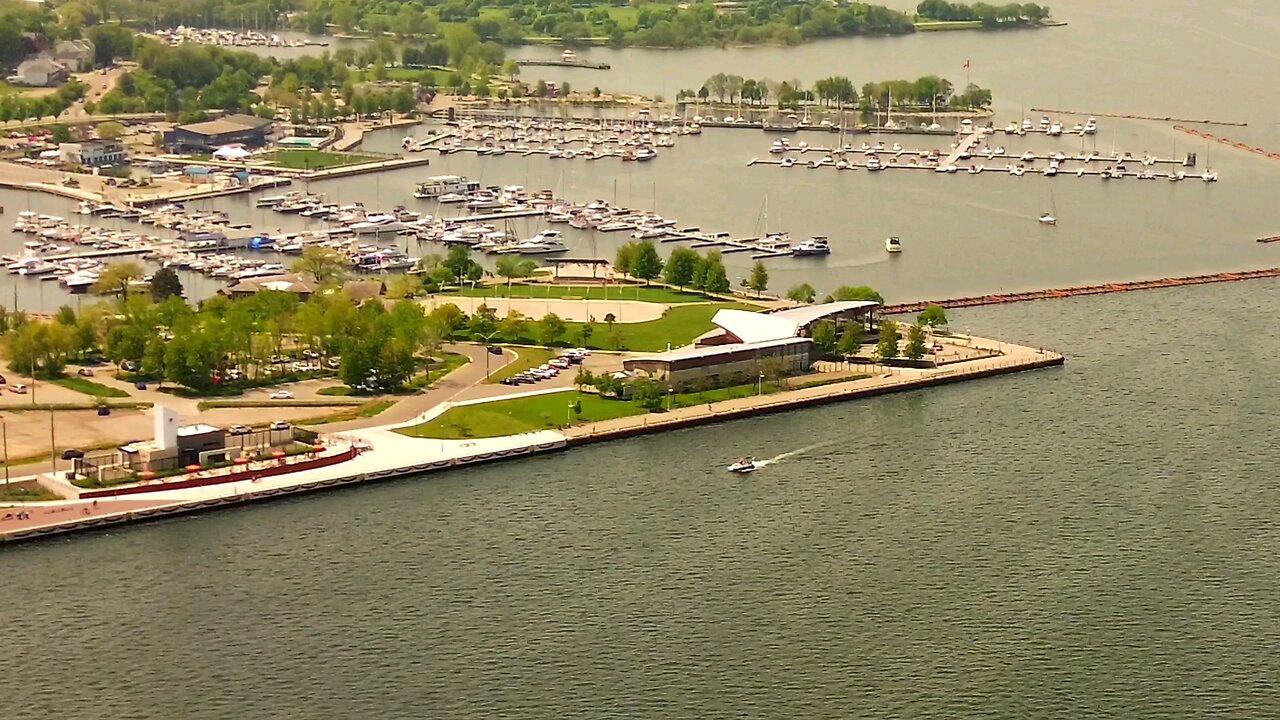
(579,310)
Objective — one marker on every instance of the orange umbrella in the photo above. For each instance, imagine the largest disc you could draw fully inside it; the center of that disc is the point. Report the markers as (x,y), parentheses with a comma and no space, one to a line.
(193,468)
(277,454)
(242,460)
(317,448)
(147,474)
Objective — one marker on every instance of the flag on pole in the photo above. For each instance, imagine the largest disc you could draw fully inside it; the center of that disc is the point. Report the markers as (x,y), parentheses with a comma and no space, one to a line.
(966,64)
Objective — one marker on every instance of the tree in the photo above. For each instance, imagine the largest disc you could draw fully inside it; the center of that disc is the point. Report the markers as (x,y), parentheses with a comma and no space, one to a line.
(483,324)
(61,134)
(39,349)
(165,284)
(110,130)
(551,328)
(824,337)
(759,280)
(585,332)
(933,316)
(625,258)
(585,378)
(710,276)
(680,267)
(514,326)
(851,339)
(915,342)
(509,267)
(887,346)
(116,279)
(802,293)
(646,264)
(610,319)
(647,394)
(860,292)
(326,265)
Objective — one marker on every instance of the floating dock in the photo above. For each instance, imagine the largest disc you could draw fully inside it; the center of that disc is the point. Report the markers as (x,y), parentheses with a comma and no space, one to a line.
(1107,289)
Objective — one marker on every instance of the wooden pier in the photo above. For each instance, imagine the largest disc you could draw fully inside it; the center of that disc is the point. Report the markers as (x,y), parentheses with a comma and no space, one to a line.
(1106,289)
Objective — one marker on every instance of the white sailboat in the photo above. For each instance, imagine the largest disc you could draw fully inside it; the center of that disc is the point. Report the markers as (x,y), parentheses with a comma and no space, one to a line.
(1051,217)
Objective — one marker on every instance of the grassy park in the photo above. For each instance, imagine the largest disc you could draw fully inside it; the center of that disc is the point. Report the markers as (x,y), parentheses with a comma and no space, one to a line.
(314,159)
(522,415)
(89,387)
(527,357)
(677,327)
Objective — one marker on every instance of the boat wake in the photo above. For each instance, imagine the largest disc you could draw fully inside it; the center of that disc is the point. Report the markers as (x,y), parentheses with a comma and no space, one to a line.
(793,453)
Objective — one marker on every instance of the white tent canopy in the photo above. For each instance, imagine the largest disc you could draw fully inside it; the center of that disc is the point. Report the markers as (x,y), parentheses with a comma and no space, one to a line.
(231,152)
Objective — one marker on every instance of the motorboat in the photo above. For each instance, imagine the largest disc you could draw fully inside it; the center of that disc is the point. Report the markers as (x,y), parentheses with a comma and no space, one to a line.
(543,243)
(1209,176)
(1091,126)
(374,224)
(440,185)
(892,245)
(779,146)
(816,245)
(1048,219)
(743,466)
(775,242)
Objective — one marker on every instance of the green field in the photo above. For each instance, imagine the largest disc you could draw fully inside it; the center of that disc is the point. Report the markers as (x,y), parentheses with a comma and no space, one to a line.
(678,326)
(529,357)
(653,294)
(315,159)
(937,25)
(89,387)
(521,415)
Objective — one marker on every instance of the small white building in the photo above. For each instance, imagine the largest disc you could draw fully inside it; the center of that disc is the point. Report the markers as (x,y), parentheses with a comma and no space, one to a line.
(92,153)
(75,55)
(40,71)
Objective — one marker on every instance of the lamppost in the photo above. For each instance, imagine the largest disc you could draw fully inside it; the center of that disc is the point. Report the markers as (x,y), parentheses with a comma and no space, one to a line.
(670,391)
(759,384)
(4,432)
(568,414)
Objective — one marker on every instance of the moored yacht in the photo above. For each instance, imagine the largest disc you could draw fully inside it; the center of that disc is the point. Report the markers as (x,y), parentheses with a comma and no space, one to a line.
(892,245)
(816,245)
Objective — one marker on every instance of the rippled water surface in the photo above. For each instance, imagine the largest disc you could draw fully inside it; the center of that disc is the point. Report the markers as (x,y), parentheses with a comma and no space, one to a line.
(1092,541)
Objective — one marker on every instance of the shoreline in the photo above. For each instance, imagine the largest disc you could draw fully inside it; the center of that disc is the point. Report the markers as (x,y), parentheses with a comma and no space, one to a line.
(381,461)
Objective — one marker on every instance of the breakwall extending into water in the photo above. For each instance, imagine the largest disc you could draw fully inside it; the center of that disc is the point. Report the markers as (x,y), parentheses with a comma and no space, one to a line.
(1104,289)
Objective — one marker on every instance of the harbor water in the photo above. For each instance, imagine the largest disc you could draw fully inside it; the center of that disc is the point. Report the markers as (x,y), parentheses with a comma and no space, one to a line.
(1091,541)
(1097,540)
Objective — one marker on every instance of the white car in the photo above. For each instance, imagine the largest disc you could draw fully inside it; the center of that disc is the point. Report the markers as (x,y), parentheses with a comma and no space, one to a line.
(282,395)
(20,389)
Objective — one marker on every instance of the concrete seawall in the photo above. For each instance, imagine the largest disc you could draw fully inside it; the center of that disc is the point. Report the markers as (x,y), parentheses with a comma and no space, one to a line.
(793,400)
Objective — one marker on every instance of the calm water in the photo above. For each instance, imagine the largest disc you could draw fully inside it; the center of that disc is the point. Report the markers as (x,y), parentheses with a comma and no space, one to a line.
(1092,541)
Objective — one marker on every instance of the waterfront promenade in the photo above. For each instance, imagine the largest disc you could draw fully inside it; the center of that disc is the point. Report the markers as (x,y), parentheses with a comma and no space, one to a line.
(385,453)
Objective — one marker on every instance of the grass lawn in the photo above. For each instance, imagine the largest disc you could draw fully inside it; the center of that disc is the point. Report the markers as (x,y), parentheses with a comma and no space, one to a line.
(587,292)
(89,387)
(935,25)
(336,391)
(315,159)
(529,357)
(26,492)
(678,326)
(521,415)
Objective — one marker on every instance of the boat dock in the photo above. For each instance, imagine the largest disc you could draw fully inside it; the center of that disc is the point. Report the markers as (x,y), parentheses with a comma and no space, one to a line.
(584,64)
(728,244)
(1106,289)
(490,217)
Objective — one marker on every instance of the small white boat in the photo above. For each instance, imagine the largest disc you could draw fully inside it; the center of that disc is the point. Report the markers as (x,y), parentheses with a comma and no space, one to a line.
(1209,176)
(816,245)
(892,245)
(1048,219)
(743,466)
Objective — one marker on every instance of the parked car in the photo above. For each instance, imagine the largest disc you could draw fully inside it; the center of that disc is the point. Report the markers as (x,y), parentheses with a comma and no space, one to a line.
(334,362)
(279,425)
(140,385)
(300,366)
(130,366)
(239,430)
(2,380)
(310,354)
(84,372)
(72,454)
(103,411)
(494,350)
(18,388)
(282,395)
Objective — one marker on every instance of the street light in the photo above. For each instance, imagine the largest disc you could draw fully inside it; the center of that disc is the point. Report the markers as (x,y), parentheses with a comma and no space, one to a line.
(760,384)
(568,414)
(670,390)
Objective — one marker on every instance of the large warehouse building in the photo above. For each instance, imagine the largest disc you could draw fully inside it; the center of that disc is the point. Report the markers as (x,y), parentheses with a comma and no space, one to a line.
(747,344)
(212,134)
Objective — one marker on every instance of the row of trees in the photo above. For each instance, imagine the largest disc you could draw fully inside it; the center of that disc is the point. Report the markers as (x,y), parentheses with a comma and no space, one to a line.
(686,268)
(21,107)
(926,91)
(990,15)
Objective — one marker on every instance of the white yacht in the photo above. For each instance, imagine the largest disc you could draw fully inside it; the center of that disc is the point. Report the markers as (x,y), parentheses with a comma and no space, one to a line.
(440,185)
(1209,176)
(892,245)
(779,146)
(377,223)
(743,466)
(1090,126)
(1048,219)
(775,242)
(543,243)
(816,245)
